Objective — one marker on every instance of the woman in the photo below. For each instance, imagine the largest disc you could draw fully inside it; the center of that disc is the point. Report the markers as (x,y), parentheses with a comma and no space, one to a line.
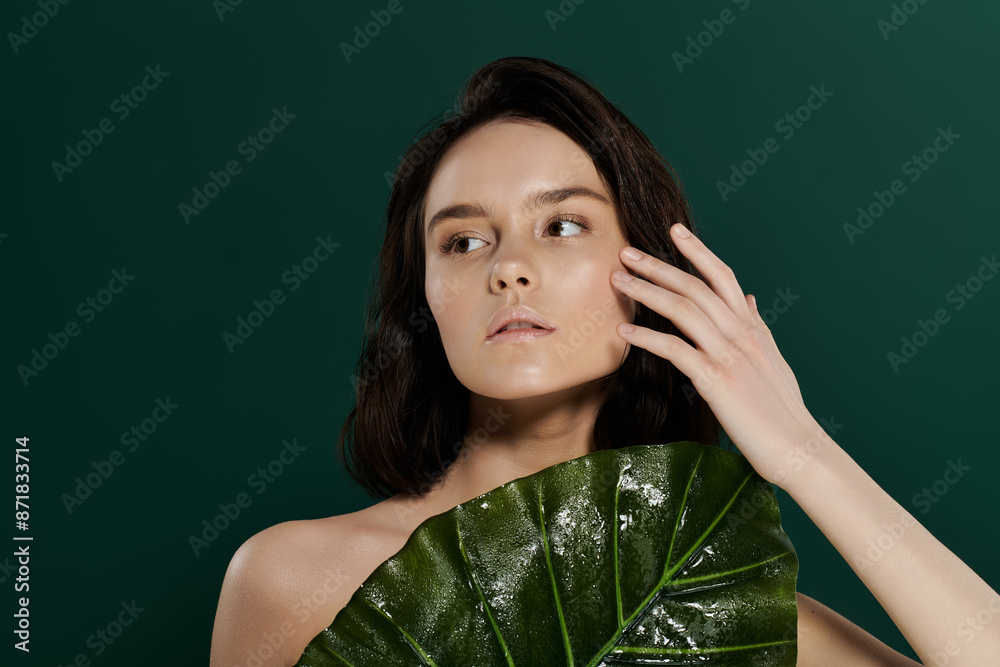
(526,207)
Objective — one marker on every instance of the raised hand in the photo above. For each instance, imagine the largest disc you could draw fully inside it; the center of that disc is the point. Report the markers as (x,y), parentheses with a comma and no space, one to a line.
(735,366)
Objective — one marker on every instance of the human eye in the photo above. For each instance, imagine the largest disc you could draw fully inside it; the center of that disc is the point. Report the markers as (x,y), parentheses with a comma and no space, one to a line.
(561,218)
(458,241)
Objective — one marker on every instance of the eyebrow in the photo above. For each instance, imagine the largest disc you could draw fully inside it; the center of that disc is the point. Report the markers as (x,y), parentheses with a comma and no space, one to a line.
(534,201)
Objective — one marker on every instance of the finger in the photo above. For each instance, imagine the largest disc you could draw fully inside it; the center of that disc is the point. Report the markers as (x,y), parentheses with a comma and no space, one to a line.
(758,320)
(790,385)
(719,275)
(674,349)
(682,311)
(752,303)
(693,288)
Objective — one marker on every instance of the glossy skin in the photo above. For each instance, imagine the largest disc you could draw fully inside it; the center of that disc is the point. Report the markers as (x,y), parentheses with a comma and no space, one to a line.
(543,393)
(290,580)
(543,260)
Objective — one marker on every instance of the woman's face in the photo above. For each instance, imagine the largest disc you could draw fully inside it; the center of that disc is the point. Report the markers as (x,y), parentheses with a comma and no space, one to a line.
(554,257)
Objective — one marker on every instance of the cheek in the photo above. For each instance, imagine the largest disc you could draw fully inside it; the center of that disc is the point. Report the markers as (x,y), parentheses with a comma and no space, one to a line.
(598,301)
(613,301)
(444,297)
(445,290)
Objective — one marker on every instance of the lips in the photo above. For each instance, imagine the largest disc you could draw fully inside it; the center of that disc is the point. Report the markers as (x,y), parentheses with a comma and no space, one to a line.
(517,317)
(519,325)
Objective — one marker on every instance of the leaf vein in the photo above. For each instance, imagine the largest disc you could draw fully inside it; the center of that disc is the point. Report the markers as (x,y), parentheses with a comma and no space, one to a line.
(424,658)
(698,651)
(691,580)
(479,592)
(552,577)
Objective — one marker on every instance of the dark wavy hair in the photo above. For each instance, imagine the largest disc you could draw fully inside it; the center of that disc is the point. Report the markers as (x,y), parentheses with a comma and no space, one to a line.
(411,413)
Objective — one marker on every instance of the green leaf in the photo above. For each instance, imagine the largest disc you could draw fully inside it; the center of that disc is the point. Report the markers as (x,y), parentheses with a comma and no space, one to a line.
(669,554)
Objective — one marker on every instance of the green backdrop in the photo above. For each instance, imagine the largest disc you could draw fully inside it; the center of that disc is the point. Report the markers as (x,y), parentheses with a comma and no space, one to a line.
(148,350)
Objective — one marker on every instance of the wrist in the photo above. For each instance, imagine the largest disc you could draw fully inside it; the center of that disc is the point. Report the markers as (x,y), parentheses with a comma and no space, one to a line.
(808,456)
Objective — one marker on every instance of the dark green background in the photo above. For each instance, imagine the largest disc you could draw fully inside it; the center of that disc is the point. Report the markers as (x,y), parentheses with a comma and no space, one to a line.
(325,175)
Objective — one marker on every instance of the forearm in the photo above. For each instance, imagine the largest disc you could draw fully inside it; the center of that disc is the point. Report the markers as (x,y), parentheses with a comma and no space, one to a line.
(945,610)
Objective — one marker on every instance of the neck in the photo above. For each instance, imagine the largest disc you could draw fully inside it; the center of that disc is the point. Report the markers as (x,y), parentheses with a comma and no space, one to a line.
(511,438)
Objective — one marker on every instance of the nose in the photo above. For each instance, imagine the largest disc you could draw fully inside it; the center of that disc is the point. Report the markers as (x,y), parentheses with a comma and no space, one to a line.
(513,266)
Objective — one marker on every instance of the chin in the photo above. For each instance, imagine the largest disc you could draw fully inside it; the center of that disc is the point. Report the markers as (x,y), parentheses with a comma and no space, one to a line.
(537,374)
(509,389)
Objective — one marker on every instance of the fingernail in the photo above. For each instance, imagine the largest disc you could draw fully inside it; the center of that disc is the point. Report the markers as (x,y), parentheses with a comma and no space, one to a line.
(682,231)
(626,328)
(632,253)
(621,276)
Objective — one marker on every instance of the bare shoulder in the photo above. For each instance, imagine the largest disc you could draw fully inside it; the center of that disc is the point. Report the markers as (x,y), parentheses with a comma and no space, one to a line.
(286,584)
(827,638)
